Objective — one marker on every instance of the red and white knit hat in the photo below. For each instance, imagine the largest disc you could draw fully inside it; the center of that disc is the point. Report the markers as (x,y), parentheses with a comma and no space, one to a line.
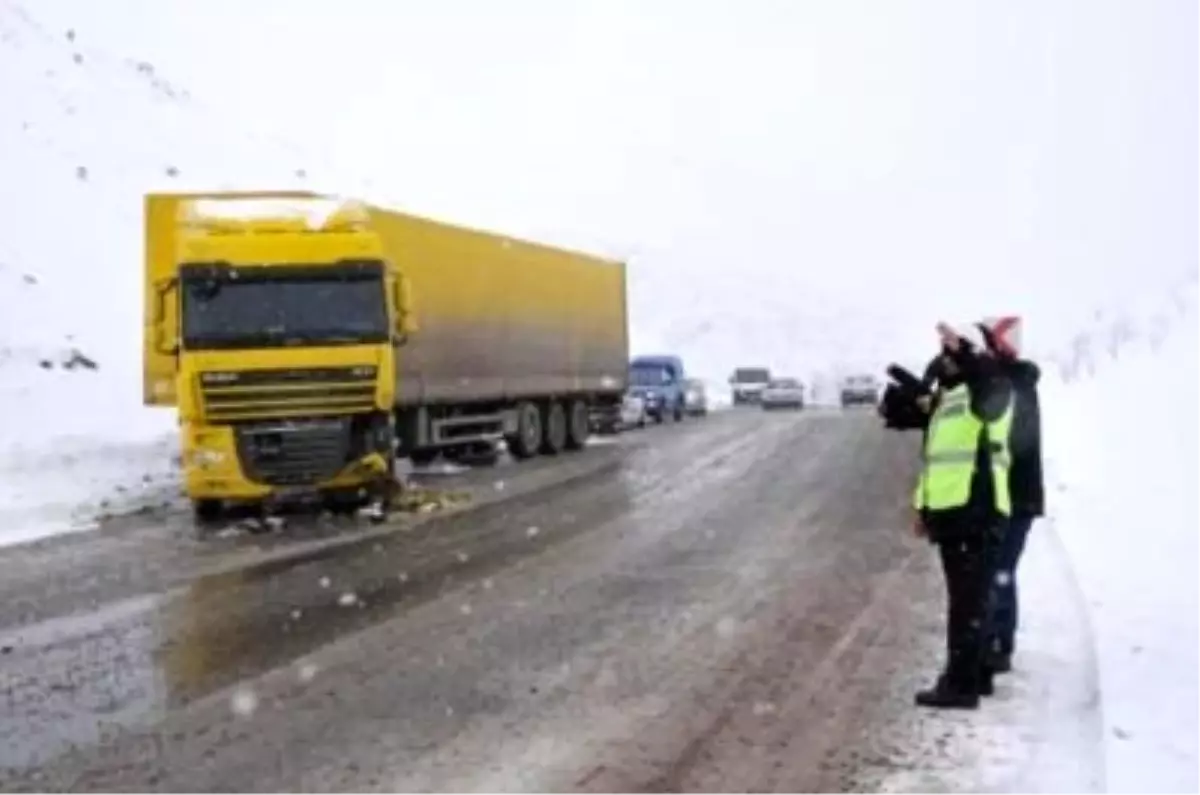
(1005,333)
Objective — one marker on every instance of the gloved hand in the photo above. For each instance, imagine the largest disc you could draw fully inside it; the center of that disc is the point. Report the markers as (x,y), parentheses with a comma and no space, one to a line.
(900,405)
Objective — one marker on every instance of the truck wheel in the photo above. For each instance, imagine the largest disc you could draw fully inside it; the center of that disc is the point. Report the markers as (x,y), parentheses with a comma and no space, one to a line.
(422,458)
(526,442)
(679,412)
(342,502)
(577,425)
(207,511)
(555,420)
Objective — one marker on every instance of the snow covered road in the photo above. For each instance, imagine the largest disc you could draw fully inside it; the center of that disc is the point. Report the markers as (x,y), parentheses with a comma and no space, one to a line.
(735,606)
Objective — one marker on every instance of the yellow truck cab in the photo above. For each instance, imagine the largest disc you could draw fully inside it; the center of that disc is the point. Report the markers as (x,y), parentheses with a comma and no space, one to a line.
(271,323)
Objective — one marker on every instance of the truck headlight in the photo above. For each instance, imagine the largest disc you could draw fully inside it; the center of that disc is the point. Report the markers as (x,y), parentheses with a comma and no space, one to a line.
(207,458)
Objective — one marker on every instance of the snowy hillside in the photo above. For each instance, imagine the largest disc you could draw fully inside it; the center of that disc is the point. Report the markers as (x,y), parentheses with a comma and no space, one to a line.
(83,135)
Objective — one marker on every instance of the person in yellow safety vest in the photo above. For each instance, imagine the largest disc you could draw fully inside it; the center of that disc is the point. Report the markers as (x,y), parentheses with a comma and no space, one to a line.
(961,503)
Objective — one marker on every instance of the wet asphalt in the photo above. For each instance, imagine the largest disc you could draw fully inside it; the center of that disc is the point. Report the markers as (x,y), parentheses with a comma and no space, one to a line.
(688,607)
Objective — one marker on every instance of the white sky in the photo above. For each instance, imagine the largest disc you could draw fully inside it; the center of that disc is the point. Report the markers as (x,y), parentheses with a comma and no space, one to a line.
(876,165)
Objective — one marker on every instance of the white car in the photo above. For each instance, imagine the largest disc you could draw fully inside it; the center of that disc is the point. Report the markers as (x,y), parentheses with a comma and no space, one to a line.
(783,393)
(696,400)
(633,411)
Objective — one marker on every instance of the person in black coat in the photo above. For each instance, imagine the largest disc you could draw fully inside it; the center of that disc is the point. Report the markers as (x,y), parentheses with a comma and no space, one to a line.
(1027,488)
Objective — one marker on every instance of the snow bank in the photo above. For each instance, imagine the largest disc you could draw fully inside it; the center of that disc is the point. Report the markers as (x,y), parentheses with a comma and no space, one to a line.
(1121,441)
(83,136)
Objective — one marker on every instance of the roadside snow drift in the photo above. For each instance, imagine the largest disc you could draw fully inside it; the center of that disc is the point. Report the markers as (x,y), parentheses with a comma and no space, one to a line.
(1122,450)
(83,136)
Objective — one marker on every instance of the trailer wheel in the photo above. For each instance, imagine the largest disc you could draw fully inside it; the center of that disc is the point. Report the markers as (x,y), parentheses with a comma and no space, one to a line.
(577,426)
(555,438)
(526,442)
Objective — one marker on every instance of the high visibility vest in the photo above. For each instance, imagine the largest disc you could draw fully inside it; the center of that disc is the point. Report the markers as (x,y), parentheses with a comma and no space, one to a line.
(949,455)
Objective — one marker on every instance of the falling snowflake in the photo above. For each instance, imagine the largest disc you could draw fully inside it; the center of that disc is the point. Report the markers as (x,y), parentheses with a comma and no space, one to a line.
(498,485)
(296,614)
(402,576)
(324,582)
(244,702)
(463,557)
(763,708)
(726,627)
(348,599)
(1003,578)
(532,531)
(465,610)
(487,584)
(306,672)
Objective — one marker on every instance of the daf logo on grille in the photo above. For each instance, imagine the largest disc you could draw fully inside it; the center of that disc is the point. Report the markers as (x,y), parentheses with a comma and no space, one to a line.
(218,378)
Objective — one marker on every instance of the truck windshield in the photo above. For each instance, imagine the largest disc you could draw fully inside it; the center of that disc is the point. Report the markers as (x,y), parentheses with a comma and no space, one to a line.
(256,307)
(649,375)
(751,375)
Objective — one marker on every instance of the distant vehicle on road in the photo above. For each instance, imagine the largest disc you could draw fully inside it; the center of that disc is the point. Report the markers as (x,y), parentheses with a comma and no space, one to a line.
(695,397)
(860,390)
(659,380)
(783,393)
(633,411)
(748,384)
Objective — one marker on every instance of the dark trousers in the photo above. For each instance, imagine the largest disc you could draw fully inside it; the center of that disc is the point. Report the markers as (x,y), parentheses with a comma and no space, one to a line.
(1004,588)
(968,562)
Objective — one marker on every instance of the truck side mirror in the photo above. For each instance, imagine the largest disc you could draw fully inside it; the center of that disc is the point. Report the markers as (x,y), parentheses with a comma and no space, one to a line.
(406,319)
(165,341)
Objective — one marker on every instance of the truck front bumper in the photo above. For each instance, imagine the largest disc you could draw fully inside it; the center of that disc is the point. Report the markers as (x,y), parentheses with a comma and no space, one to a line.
(214,469)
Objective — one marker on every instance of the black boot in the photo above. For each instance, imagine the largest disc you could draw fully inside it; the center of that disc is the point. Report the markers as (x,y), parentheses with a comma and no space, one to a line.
(1001,662)
(944,695)
(986,686)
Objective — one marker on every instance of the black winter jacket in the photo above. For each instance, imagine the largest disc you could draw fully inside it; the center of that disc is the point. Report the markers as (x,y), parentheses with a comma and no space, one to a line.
(1025,477)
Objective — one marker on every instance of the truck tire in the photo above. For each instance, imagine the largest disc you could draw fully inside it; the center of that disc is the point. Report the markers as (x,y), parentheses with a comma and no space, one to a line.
(679,412)
(554,440)
(526,442)
(577,425)
(343,502)
(422,458)
(207,511)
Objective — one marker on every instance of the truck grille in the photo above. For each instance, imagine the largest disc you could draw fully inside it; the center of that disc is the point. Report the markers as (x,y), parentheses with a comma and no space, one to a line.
(310,392)
(293,453)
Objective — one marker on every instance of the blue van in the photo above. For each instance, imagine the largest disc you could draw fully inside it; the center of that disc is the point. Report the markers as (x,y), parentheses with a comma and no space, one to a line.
(660,382)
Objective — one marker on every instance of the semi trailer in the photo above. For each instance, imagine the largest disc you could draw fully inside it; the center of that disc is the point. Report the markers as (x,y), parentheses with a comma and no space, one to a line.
(308,342)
